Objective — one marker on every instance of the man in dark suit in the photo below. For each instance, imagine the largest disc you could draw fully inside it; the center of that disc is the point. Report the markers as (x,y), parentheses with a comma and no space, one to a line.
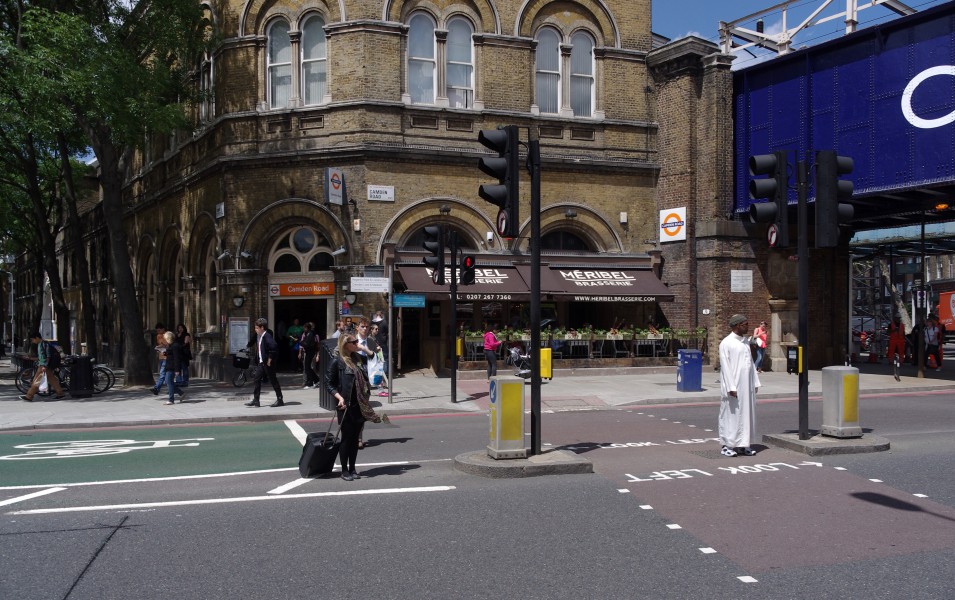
(265,354)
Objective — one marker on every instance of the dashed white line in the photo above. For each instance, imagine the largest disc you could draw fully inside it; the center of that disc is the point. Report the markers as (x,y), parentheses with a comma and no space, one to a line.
(289,486)
(920,495)
(747,579)
(33,495)
(673,526)
(839,468)
(624,491)
(646,507)
(707,551)
(876,480)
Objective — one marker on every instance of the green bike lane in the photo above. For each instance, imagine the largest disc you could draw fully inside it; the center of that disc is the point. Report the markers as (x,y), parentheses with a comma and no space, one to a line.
(76,456)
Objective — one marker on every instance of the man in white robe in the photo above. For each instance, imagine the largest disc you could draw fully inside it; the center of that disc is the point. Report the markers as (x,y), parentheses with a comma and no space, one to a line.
(738,385)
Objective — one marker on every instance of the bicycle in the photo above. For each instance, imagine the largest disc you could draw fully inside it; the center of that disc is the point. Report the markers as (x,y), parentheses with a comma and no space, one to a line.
(26,374)
(245,373)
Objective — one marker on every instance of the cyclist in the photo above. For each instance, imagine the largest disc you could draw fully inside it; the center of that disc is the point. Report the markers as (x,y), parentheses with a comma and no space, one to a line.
(48,360)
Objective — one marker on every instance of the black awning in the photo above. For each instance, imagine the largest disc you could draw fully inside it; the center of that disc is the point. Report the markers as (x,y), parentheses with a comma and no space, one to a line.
(500,283)
(603,284)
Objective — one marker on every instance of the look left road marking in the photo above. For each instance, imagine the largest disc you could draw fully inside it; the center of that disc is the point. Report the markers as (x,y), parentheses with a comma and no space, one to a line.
(33,495)
(40,511)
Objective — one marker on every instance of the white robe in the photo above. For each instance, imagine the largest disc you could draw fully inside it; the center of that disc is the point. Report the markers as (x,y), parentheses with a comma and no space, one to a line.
(737,424)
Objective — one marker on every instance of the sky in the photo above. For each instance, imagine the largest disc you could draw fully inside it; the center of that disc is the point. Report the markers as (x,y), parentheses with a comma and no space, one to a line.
(678,18)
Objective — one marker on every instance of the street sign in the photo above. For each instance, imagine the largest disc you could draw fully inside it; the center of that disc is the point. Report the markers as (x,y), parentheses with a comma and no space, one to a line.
(369,284)
(409,301)
(772,234)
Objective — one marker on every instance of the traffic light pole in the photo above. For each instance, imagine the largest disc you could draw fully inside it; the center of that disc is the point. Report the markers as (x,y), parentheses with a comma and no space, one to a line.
(802,188)
(534,161)
(454,315)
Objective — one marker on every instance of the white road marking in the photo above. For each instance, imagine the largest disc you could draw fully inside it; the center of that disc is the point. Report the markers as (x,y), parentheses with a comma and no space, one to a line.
(673,526)
(747,579)
(839,468)
(707,551)
(876,480)
(437,488)
(624,491)
(289,486)
(33,495)
(646,507)
(920,495)
(297,431)
(210,475)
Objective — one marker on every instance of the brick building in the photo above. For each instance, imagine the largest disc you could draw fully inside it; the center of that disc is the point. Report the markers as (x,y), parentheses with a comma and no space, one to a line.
(382,101)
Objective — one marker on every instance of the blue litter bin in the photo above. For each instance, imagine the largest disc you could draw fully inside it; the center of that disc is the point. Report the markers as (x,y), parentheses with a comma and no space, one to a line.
(689,371)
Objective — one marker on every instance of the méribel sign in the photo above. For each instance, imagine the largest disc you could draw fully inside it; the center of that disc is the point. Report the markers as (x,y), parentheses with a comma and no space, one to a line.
(884,96)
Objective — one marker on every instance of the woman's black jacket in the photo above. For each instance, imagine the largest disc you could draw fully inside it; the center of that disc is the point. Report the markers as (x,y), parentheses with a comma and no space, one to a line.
(340,379)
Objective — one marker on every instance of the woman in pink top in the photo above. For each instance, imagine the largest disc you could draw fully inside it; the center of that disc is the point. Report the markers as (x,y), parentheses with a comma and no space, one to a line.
(760,335)
(491,344)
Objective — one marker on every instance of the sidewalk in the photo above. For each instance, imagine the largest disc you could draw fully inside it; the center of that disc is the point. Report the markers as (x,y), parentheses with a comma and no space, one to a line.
(417,392)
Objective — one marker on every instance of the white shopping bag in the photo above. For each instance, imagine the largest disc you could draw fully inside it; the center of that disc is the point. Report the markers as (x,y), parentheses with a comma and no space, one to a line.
(44,386)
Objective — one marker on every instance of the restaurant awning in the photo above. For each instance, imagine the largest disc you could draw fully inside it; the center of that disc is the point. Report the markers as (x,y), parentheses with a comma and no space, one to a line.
(491,283)
(602,284)
(571,283)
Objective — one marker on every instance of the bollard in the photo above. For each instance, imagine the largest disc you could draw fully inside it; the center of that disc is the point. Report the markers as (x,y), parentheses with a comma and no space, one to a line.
(840,402)
(506,414)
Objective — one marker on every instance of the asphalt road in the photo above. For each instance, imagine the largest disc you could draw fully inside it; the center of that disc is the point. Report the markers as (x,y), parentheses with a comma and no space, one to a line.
(664,516)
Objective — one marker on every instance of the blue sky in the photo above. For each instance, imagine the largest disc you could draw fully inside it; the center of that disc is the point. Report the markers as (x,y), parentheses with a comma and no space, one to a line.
(678,18)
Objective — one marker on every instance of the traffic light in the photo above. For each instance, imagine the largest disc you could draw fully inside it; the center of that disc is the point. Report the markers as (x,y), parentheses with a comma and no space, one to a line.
(830,212)
(505,194)
(434,243)
(775,189)
(467,269)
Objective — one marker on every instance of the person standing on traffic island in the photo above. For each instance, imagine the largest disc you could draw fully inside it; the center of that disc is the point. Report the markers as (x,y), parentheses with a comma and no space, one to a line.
(347,382)
(491,344)
(266,353)
(738,385)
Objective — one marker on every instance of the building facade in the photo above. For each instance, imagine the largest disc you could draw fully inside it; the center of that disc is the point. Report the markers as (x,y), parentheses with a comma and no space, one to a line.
(334,131)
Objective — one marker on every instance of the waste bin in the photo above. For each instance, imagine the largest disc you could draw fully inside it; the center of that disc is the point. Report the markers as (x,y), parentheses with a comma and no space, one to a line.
(81,377)
(547,363)
(689,371)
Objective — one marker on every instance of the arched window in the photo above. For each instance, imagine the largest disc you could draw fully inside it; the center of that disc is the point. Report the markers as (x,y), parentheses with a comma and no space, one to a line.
(421,59)
(314,61)
(460,64)
(564,240)
(582,75)
(301,250)
(548,71)
(465,242)
(279,65)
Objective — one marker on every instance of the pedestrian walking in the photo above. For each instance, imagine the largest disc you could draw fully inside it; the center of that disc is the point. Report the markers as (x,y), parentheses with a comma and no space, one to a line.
(933,358)
(896,338)
(48,359)
(183,337)
(339,329)
(760,338)
(347,382)
(174,360)
(309,354)
(265,357)
(382,337)
(161,349)
(738,385)
(377,365)
(491,345)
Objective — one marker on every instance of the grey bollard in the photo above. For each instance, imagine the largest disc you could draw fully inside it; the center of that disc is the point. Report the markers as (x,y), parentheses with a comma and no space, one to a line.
(840,402)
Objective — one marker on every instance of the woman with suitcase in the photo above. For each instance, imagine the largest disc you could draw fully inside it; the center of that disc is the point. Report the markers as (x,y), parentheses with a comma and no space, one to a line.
(347,381)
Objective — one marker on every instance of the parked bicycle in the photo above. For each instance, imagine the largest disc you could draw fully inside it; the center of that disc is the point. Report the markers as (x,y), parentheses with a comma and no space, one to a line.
(103,376)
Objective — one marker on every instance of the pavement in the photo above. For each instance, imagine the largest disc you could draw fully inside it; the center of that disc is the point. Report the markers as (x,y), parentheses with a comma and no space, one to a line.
(422,392)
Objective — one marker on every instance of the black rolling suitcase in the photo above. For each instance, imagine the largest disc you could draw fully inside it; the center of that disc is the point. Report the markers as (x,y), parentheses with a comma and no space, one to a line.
(320,452)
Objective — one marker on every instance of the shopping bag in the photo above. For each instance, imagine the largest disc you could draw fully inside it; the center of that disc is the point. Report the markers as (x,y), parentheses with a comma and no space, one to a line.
(44,385)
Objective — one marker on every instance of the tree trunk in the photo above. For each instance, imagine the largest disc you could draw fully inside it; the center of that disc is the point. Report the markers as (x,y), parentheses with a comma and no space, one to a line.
(46,232)
(135,350)
(76,230)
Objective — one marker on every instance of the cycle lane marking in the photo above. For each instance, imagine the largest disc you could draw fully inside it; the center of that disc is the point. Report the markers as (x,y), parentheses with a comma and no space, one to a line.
(9,501)
(208,501)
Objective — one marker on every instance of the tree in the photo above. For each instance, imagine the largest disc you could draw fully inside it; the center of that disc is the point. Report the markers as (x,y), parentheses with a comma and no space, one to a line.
(123,70)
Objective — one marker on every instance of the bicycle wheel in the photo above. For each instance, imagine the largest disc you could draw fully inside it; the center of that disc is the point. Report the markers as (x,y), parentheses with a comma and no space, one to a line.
(103,379)
(240,378)
(25,379)
(63,374)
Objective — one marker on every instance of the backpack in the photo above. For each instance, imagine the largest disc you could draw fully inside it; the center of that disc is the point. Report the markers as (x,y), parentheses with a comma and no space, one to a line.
(308,340)
(53,358)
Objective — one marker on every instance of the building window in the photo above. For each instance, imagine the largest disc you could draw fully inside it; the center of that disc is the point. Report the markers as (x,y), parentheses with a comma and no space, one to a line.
(582,75)
(564,240)
(460,64)
(556,92)
(207,104)
(279,65)
(548,71)
(421,59)
(314,61)
(301,246)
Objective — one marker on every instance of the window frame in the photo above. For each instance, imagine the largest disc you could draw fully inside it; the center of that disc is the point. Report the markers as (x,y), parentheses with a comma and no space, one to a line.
(538,71)
(591,76)
(448,62)
(415,59)
(303,61)
(271,66)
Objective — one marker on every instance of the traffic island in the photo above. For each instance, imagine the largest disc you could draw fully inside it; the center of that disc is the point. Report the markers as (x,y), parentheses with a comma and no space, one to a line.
(821,445)
(550,462)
